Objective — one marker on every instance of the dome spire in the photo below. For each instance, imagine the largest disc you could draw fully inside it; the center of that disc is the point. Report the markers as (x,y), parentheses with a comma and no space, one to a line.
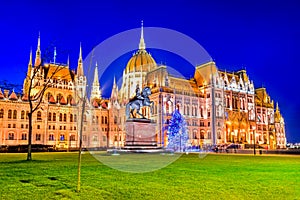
(142,44)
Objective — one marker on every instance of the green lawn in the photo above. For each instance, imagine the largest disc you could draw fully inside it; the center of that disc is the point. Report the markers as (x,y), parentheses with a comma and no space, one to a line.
(54,176)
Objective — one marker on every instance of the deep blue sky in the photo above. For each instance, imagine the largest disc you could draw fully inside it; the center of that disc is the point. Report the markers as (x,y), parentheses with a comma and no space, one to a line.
(261,36)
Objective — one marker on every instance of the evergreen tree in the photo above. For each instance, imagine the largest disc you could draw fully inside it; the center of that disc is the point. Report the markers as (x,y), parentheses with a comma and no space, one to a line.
(177,133)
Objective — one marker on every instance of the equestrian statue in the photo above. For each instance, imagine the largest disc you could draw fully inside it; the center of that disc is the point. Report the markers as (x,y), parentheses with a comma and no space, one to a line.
(140,100)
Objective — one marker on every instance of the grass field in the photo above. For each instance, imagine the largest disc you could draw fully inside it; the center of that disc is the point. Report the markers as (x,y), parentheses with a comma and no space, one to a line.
(54,176)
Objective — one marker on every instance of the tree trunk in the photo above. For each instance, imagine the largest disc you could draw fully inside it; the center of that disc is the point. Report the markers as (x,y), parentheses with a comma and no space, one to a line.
(29,136)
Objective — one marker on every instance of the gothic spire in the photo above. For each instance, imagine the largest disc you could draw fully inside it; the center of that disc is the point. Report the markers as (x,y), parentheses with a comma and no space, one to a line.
(80,65)
(38,53)
(142,44)
(96,92)
(30,58)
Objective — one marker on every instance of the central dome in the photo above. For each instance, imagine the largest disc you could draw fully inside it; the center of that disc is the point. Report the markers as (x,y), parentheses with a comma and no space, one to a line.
(141,61)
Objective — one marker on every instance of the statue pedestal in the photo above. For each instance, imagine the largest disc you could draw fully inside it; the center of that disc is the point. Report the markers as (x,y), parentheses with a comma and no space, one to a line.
(140,133)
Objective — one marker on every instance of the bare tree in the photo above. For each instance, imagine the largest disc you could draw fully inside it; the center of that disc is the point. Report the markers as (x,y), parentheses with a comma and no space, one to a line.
(37,81)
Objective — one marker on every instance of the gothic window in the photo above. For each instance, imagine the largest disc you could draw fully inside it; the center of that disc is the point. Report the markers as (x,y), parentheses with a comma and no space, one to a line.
(39,115)
(54,116)
(95,138)
(167,107)
(65,117)
(11,136)
(102,120)
(201,111)
(208,135)
(38,137)
(219,135)
(62,137)
(9,114)
(72,138)
(105,120)
(22,114)
(48,96)
(24,136)
(69,99)
(202,135)
(15,114)
(71,118)
(58,98)
(49,116)
(51,137)
(1,113)
(195,134)
(60,117)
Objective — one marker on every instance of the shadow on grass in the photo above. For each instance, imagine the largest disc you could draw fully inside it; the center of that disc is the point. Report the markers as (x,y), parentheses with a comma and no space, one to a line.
(25,161)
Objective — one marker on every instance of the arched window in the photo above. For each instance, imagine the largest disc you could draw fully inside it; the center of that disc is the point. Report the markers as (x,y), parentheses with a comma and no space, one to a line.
(15,114)
(75,118)
(202,135)
(54,117)
(71,117)
(84,118)
(69,99)
(11,136)
(9,114)
(58,98)
(48,96)
(49,116)
(39,115)
(65,117)
(102,120)
(22,114)
(51,137)
(60,117)
(1,113)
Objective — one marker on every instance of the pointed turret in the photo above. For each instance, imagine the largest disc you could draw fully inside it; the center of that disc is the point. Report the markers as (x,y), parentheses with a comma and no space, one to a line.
(80,65)
(27,79)
(277,108)
(38,59)
(96,92)
(114,92)
(142,44)
(68,62)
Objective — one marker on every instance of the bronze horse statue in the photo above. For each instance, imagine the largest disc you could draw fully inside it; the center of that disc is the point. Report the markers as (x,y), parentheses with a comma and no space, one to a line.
(139,101)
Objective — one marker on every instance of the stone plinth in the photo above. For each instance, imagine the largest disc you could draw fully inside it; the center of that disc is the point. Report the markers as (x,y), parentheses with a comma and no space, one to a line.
(140,133)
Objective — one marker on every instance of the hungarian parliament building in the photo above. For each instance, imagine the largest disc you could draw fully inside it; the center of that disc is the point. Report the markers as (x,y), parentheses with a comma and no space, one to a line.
(220,107)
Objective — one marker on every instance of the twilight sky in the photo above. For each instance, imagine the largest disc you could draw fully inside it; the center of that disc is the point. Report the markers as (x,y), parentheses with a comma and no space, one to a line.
(261,36)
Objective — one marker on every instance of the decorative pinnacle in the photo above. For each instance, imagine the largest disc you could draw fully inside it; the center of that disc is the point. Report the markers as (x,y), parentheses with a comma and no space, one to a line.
(142,44)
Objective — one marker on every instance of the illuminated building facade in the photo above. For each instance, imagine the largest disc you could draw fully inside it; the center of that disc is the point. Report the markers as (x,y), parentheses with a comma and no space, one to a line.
(219,107)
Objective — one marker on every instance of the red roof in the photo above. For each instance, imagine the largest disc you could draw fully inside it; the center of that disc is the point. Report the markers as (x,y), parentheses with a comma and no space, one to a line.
(95,104)
(1,95)
(51,100)
(25,97)
(13,96)
(63,101)
(73,103)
